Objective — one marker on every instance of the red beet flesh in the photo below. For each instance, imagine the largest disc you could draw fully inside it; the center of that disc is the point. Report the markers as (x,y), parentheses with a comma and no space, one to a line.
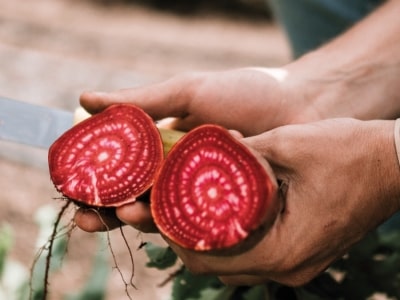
(108,159)
(212,191)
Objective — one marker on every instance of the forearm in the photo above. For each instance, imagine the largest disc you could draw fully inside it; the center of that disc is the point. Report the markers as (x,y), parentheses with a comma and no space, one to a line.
(356,75)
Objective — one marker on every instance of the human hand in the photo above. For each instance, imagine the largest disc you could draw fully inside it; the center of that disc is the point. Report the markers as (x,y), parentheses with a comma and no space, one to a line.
(340,180)
(344,166)
(250,100)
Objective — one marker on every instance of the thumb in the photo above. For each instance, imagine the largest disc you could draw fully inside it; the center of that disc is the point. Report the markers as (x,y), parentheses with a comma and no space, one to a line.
(166,99)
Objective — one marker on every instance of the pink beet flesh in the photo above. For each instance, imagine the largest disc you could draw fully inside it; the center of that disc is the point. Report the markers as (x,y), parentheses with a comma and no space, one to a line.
(108,159)
(211,191)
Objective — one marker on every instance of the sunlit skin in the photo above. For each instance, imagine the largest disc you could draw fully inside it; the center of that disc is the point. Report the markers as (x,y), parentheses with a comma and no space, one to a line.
(301,118)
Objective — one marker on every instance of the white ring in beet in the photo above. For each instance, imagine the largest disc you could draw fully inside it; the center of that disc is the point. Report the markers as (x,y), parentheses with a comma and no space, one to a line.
(211,191)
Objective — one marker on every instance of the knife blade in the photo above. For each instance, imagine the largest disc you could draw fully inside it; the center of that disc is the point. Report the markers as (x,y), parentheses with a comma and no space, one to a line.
(32,124)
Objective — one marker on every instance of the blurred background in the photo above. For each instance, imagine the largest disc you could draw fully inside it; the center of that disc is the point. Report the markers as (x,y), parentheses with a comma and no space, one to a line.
(52,50)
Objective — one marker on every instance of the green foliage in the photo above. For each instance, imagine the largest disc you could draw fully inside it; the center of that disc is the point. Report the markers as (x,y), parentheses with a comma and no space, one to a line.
(187,286)
(94,289)
(15,283)
(371,266)
(256,292)
(191,287)
(13,276)
(160,257)
(5,245)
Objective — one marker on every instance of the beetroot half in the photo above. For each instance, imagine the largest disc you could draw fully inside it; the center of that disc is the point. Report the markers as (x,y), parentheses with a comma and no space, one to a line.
(109,159)
(212,191)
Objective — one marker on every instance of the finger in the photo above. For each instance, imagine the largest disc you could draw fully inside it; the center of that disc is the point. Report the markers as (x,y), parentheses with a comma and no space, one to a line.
(96,101)
(166,99)
(138,215)
(236,134)
(92,220)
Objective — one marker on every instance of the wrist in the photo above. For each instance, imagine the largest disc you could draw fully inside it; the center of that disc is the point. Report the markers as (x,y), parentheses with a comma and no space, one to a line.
(355,75)
(343,88)
(387,169)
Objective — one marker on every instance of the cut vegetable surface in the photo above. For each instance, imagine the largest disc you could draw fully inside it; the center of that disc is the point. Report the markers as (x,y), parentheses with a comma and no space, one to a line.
(212,191)
(108,159)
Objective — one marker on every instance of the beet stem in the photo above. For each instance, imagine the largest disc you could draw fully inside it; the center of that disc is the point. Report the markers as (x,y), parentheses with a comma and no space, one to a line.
(50,248)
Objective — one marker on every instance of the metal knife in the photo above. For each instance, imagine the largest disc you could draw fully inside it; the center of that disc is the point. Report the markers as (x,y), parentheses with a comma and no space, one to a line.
(40,126)
(31,124)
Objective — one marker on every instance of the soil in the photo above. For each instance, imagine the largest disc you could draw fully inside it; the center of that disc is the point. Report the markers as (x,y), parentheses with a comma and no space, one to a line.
(52,50)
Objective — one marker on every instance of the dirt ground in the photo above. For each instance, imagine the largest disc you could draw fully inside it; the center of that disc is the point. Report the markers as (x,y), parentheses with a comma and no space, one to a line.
(52,50)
